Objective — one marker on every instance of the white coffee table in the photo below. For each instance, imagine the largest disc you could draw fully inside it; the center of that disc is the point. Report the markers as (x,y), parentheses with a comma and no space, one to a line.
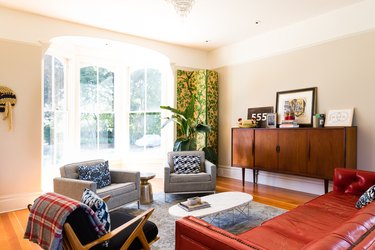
(220,203)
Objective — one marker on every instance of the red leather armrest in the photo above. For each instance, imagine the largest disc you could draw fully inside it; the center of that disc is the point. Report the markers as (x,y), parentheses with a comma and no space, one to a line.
(352,181)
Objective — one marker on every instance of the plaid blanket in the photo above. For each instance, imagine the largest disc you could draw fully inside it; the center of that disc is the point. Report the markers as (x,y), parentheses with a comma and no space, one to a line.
(47,217)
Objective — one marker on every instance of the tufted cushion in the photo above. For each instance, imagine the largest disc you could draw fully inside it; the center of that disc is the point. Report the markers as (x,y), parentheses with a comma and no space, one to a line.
(100,208)
(98,173)
(366,197)
(186,164)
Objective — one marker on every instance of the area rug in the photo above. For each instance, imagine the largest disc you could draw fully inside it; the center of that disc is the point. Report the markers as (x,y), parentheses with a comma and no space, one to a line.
(166,223)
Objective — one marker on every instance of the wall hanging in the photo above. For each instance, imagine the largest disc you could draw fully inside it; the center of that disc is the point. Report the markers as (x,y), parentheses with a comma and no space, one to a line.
(7,101)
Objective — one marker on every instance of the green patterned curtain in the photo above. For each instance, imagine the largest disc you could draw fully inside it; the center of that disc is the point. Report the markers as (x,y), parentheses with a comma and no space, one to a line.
(204,85)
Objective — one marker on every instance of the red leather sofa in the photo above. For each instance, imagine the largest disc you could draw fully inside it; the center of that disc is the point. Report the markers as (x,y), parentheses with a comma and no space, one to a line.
(329,221)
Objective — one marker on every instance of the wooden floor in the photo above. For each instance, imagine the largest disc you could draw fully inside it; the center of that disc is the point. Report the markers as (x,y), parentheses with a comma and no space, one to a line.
(13,224)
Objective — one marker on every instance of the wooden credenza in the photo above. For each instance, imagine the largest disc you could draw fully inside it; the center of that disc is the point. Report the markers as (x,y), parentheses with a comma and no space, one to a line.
(309,152)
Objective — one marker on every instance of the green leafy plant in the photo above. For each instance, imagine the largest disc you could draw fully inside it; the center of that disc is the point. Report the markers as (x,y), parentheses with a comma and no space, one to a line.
(188,126)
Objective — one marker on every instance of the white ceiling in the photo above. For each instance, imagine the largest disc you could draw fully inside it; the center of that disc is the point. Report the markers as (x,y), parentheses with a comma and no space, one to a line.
(211,24)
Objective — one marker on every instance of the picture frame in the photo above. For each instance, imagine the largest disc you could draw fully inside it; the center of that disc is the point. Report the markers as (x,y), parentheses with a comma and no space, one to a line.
(271,120)
(303,103)
(339,118)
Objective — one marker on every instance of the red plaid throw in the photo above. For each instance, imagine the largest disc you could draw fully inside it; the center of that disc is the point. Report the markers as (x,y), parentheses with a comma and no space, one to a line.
(48,215)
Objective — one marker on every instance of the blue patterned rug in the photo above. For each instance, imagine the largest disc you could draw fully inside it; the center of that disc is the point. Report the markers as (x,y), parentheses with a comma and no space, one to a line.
(166,223)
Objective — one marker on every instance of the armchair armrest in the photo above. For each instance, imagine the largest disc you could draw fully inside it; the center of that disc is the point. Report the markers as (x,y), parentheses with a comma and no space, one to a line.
(121,176)
(210,168)
(72,188)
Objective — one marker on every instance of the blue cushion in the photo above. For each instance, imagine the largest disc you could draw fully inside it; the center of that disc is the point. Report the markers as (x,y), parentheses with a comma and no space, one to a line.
(100,208)
(186,164)
(98,173)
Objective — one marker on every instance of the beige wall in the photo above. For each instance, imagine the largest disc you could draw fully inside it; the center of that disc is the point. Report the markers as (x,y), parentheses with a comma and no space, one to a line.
(20,149)
(343,71)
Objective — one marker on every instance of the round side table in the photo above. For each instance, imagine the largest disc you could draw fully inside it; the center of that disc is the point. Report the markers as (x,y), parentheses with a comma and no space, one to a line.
(146,188)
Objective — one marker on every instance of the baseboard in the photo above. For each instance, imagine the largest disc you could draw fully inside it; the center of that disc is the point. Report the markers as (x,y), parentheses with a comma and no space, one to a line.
(14,202)
(297,183)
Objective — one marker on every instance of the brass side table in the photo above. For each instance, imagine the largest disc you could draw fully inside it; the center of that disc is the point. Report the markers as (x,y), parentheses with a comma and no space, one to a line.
(146,188)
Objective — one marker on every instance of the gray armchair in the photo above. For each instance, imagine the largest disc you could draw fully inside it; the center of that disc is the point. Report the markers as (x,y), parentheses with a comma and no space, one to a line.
(124,188)
(203,182)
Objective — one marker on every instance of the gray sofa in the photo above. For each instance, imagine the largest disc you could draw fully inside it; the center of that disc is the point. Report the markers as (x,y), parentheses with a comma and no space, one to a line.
(124,188)
(203,182)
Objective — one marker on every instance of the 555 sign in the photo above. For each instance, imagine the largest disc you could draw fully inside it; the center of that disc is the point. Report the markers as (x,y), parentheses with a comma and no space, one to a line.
(260,114)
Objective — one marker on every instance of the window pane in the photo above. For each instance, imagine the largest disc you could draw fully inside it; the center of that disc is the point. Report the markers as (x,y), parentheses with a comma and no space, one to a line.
(106,90)
(137,90)
(106,131)
(60,125)
(59,85)
(153,138)
(47,101)
(153,125)
(88,131)
(88,83)
(136,128)
(153,89)
(48,138)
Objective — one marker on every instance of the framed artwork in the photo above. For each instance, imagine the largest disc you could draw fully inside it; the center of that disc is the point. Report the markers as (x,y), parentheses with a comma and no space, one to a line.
(339,117)
(260,115)
(301,101)
(271,120)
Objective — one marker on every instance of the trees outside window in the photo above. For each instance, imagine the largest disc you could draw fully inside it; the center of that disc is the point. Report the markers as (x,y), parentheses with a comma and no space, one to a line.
(144,114)
(97,116)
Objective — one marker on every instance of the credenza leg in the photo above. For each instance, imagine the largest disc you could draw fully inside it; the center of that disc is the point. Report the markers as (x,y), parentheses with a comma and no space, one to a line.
(255,176)
(243,177)
(326,182)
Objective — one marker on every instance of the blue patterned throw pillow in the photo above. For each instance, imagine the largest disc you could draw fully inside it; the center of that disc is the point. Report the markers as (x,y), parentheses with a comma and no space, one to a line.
(366,198)
(186,164)
(98,173)
(97,205)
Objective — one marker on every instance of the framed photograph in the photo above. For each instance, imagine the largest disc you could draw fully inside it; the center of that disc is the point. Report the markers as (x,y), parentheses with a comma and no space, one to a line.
(339,117)
(271,120)
(260,115)
(301,101)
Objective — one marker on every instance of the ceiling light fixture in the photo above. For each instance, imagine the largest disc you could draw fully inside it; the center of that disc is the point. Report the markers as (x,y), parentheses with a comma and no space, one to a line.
(182,7)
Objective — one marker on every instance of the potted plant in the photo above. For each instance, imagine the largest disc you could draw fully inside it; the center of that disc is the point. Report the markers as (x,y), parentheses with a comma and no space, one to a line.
(188,126)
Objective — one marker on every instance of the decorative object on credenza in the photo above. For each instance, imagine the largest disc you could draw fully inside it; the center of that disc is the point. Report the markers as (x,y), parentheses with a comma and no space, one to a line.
(7,102)
(300,102)
(271,120)
(260,115)
(252,123)
(339,117)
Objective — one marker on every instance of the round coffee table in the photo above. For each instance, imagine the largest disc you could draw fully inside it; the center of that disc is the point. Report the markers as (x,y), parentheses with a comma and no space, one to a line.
(146,188)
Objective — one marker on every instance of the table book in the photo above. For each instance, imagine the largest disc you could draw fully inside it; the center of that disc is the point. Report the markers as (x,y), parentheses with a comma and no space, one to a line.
(200,205)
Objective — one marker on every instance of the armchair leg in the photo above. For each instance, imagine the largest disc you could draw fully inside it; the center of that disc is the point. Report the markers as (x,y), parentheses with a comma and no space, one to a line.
(138,203)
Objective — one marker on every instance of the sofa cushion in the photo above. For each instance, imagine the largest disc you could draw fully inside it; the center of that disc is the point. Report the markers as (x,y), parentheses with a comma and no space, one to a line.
(352,182)
(98,206)
(116,189)
(183,178)
(98,173)
(120,217)
(186,164)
